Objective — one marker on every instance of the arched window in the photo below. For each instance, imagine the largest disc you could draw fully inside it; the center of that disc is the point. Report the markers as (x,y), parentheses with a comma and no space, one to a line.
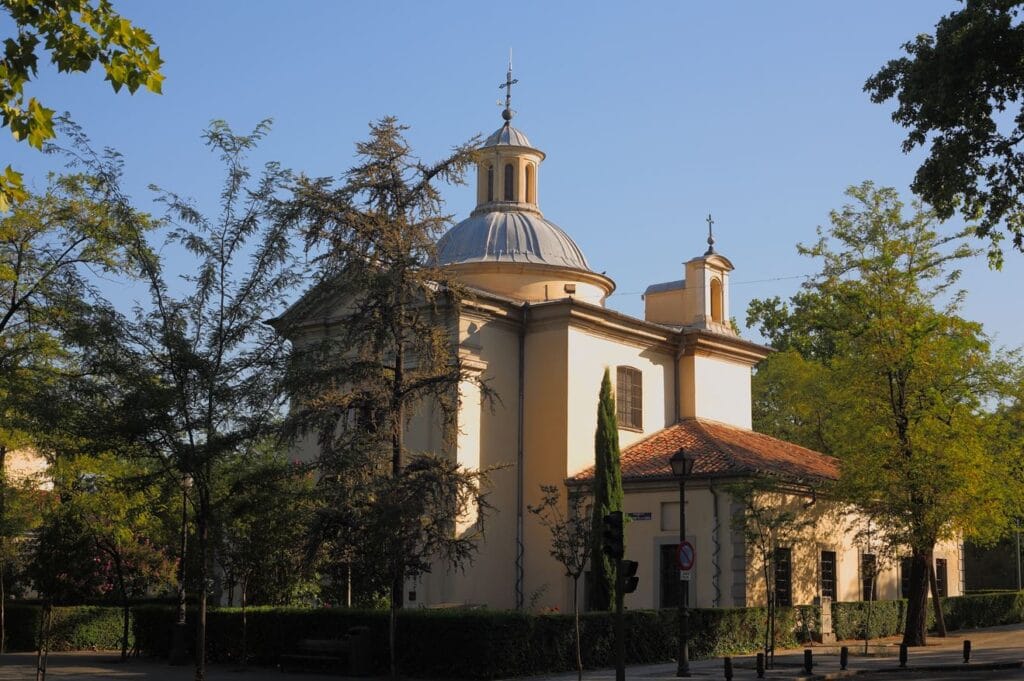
(716,300)
(531,188)
(509,196)
(490,183)
(629,398)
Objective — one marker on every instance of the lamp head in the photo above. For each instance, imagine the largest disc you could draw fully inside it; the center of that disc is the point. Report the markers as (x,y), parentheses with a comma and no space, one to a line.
(682,463)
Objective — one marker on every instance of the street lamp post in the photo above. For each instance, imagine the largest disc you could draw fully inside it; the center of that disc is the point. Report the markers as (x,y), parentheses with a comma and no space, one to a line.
(682,466)
(178,650)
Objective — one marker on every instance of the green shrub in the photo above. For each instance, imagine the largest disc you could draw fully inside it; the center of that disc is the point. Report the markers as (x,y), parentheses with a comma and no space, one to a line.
(82,627)
(490,644)
(984,610)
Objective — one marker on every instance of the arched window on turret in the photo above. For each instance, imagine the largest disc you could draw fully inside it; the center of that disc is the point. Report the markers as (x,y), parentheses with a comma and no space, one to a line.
(531,186)
(509,196)
(716,300)
(490,183)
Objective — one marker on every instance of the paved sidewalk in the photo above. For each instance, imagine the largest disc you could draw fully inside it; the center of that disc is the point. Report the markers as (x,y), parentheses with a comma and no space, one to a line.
(991,648)
(994,647)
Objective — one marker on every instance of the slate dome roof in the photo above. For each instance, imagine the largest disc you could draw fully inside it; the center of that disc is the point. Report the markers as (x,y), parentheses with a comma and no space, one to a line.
(507,135)
(509,236)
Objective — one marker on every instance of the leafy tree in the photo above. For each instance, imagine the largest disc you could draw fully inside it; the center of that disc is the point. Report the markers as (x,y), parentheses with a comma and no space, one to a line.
(960,92)
(571,536)
(118,507)
(389,353)
(607,496)
(909,384)
(264,520)
(19,514)
(198,374)
(76,34)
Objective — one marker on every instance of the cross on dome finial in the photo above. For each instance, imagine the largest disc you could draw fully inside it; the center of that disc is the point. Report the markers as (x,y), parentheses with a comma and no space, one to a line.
(509,82)
(711,237)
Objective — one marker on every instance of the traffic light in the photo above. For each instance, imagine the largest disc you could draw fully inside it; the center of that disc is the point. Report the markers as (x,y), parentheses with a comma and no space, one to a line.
(629,578)
(612,535)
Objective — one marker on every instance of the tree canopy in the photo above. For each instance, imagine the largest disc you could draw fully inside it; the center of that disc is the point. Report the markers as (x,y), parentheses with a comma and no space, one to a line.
(960,92)
(390,351)
(76,34)
(904,394)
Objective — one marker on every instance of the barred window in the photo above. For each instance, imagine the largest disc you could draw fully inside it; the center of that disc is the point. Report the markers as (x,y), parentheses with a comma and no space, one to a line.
(868,575)
(828,574)
(629,405)
(941,577)
(783,577)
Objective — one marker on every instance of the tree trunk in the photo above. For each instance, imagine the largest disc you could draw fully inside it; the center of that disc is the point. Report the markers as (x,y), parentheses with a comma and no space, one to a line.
(125,606)
(44,641)
(940,620)
(392,628)
(917,598)
(202,521)
(3,598)
(3,549)
(244,582)
(397,444)
(576,616)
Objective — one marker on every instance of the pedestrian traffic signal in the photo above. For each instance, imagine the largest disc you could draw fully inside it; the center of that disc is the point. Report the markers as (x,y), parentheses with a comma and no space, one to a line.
(627,569)
(612,535)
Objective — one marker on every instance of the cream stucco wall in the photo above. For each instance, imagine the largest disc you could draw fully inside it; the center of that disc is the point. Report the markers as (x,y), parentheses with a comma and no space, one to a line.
(591,353)
(727,571)
(716,388)
(534,283)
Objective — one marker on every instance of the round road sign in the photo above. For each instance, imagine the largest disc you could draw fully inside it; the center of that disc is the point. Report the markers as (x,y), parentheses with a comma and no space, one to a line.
(685,555)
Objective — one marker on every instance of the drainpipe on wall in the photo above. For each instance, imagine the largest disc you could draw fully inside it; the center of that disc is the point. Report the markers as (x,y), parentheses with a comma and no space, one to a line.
(716,530)
(520,546)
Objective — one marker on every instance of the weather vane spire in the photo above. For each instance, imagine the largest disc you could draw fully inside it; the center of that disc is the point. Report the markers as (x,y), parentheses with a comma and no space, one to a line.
(509,82)
(711,236)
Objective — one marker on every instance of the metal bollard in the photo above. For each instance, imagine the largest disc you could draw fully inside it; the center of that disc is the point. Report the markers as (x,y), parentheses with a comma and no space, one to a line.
(760,665)
(903,655)
(967,651)
(844,657)
(808,660)
(728,669)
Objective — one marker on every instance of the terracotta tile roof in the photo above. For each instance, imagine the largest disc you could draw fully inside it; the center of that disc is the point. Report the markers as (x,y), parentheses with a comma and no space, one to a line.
(721,450)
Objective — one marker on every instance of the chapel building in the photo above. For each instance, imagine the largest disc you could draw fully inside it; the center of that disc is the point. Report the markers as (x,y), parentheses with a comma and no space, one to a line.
(536,328)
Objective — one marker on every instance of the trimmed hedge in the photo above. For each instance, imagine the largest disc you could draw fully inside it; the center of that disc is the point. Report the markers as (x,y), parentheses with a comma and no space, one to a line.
(85,627)
(490,644)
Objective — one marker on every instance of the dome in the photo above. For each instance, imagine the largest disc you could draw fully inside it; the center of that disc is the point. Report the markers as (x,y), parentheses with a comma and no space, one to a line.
(509,136)
(509,236)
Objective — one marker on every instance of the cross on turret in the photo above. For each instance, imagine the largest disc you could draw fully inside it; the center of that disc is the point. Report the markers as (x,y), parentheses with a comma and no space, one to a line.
(509,82)
(711,237)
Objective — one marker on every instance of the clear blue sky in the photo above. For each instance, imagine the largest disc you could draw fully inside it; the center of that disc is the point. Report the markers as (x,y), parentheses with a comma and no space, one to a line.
(652,115)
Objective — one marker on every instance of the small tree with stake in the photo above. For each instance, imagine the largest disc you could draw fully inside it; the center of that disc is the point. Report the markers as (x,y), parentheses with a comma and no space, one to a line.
(570,542)
(768,520)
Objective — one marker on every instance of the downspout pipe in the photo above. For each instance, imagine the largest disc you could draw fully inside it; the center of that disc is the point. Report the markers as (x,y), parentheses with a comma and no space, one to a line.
(520,538)
(716,543)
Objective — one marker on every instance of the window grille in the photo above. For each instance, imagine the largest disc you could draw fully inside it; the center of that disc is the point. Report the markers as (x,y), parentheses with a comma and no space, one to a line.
(629,398)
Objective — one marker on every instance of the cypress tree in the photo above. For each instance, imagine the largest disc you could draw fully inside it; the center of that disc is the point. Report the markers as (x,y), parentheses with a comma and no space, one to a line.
(607,496)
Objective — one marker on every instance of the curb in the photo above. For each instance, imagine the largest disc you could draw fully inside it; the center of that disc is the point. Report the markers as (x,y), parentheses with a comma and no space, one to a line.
(950,667)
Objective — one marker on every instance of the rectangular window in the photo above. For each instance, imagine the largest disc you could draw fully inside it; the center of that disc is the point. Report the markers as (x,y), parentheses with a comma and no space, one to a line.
(941,583)
(828,574)
(783,577)
(629,398)
(868,567)
(906,565)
